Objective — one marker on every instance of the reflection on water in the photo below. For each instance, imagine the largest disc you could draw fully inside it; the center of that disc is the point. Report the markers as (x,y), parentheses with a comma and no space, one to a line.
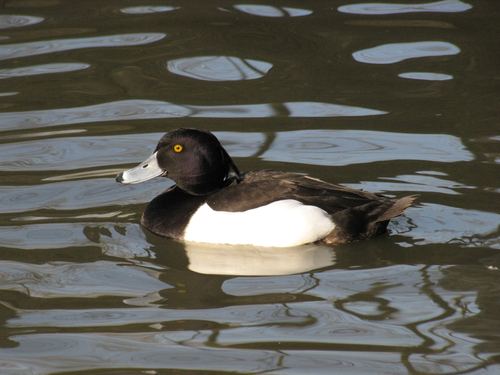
(451,225)
(91,280)
(448,6)
(255,261)
(396,52)
(338,316)
(147,9)
(315,146)
(346,147)
(219,68)
(421,181)
(402,23)
(14,51)
(271,11)
(85,288)
(6,22)
(148,109)
(42,69)
(426,76)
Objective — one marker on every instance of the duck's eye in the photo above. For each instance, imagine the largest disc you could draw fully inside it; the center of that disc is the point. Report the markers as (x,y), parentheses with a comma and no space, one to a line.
(177,148)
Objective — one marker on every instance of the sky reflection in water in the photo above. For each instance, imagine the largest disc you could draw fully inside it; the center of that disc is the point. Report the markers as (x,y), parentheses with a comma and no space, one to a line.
(148,109)
(396,52)
(219,68)
(446,6)
(14,51)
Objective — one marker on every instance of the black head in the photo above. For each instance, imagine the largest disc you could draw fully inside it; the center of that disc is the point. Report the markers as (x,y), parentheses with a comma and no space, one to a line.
(193,158)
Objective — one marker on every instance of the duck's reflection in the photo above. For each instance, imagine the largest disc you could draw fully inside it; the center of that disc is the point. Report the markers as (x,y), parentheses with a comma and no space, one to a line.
(240,260)
(198,271)
(256,261)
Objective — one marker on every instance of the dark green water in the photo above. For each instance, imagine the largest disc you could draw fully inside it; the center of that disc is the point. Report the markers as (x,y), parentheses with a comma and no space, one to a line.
(392,98)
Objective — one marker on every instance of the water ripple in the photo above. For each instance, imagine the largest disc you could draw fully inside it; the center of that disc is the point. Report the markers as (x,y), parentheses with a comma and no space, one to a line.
(149,109)
(148,9)
(272,11)
(42,69)
(448,6)
(324,324)
(69,195)
(121,240)
(60,279)
(247,315)
(421,181)
(124,240)
(184,351)
(345,147)
(436,223)
(75,152)
(396,52)
(7,22)
(316,147)
(219,68)
(306,333)
(134,351)
(14,51)
(425,76)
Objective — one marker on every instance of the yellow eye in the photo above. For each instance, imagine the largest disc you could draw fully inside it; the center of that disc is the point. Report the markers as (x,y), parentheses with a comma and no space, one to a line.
(177,148)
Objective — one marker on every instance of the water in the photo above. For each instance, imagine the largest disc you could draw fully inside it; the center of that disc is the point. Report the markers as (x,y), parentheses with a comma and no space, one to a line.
(392,98)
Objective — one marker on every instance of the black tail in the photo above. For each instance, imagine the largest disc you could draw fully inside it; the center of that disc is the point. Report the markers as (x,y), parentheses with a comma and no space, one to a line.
(397,209)
(366,221)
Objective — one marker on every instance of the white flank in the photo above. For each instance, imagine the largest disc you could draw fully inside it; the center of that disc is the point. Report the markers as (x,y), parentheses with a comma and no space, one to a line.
(280,224)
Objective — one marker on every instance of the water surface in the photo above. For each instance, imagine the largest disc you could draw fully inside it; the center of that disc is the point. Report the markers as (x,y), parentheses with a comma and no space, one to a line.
(390,97)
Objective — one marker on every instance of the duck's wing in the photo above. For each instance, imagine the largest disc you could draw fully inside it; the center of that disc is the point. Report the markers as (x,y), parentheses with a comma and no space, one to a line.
(356,214)
(263,187)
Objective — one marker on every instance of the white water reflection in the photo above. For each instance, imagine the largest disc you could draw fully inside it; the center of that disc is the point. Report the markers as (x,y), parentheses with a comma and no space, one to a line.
(83,280)
(126,241)
(257,261)
(425,76)
(436,223)
(99,317)
(150,109)
(74,195)
(9,21)
(219,68)
(447,6)
(315,147)
(271,11)
(421,181)
(148,9)
(364,307)
(42,69)
(168,351)
(14,51)
(401,23)
(345,147)
(155,352)
(81,152)
(396,52)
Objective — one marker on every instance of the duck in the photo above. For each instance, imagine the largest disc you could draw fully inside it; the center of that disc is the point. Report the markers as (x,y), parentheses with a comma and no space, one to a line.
(267,208)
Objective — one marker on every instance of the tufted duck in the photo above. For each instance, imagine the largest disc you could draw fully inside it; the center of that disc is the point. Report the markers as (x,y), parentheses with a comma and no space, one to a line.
(262,208)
